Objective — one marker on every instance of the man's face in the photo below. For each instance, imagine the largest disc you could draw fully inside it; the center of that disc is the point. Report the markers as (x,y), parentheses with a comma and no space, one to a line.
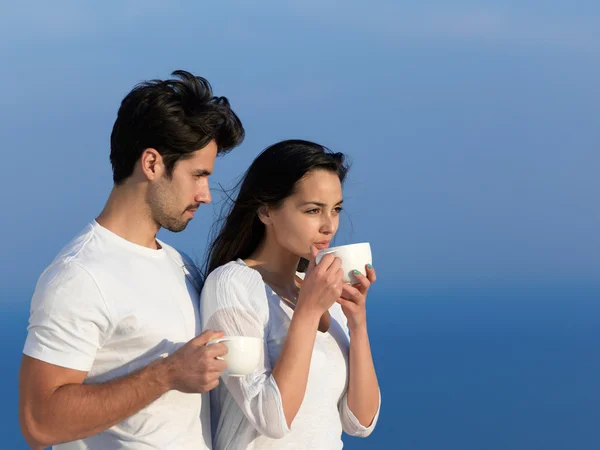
(173,201)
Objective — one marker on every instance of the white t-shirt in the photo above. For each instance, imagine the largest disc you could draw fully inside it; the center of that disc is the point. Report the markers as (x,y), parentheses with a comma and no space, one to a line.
(109,307)
(247,412)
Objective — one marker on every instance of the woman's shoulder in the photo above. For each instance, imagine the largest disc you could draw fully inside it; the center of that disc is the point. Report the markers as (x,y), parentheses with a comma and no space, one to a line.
(237,286)
(234,273)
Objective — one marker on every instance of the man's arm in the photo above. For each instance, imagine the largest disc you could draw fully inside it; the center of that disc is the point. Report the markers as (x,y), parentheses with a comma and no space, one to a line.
(55,406)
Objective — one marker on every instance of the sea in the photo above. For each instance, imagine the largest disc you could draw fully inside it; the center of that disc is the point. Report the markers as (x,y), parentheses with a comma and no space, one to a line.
(487,367)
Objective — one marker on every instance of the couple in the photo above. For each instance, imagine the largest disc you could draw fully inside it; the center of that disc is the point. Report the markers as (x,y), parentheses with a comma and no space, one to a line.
(116,355)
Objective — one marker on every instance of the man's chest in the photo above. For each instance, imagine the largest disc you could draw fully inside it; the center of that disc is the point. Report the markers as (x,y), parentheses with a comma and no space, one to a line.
(153,315)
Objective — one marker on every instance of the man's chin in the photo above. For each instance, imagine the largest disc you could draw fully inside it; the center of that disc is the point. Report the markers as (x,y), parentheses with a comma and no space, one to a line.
(176,227)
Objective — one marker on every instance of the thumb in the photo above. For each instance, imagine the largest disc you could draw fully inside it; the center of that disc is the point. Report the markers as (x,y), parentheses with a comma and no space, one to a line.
(207,336)
(312,261)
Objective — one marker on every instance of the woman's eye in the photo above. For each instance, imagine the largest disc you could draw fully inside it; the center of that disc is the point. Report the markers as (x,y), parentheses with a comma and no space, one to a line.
(312,211)
(338,209)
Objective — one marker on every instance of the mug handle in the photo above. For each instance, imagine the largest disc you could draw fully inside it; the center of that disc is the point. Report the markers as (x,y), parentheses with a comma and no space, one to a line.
(217,341)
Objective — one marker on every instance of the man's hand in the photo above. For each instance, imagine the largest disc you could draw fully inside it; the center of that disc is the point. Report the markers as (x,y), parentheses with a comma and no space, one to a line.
(194,368)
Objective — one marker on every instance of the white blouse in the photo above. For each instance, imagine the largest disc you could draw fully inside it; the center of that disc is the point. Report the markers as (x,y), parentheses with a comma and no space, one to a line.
(247,412)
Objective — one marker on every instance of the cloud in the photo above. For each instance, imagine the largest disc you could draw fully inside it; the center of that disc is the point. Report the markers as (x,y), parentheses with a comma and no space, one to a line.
(510,28)
(437,21)
(41,17)
(441,22)
(72,18)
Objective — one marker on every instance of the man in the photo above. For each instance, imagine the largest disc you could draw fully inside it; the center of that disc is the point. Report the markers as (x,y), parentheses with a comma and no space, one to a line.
(113,357)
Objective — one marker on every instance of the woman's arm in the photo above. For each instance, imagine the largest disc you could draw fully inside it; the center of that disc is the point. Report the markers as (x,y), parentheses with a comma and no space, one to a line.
(362,396)
(363,388)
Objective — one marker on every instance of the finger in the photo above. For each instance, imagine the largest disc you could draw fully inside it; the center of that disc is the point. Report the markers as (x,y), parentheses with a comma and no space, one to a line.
(219,366)
(350,293)
(363,282)
(336,265)
(346,303)
(370,273)
(210,386)
(208,335)
(216,350)
(335,274)
(327,261)
(312,260)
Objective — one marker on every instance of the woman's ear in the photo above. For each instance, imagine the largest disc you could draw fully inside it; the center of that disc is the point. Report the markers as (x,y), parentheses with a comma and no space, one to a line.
(264,215)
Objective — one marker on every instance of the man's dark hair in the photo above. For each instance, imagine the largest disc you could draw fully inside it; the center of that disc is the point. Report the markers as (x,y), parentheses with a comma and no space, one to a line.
(176,117)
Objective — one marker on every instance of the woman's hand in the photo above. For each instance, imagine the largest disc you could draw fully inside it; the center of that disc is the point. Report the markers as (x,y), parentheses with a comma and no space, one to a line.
(322,285)
(354,298)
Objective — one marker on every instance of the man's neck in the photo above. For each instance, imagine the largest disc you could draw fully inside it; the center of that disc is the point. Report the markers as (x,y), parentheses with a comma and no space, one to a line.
(127,215)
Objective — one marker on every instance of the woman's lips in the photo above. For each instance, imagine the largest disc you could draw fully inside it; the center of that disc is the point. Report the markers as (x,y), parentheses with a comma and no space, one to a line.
(321,245)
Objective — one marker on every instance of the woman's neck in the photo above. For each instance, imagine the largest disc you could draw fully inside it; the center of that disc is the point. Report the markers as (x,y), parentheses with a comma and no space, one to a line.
(276,264)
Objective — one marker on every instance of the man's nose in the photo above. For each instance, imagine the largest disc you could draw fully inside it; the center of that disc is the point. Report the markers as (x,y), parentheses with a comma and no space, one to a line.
(204,195)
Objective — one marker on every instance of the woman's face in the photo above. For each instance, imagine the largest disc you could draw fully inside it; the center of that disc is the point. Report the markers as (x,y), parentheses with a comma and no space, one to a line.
(310,216)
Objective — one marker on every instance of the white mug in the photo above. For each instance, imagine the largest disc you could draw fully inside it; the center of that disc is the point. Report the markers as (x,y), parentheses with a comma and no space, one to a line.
(243,354)
(353,256)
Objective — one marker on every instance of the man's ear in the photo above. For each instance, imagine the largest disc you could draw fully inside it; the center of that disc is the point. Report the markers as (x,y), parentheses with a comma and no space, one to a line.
(151,163)
(264,215)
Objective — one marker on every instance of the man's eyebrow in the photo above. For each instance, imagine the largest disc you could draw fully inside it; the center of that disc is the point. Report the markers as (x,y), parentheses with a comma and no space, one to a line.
(201,172)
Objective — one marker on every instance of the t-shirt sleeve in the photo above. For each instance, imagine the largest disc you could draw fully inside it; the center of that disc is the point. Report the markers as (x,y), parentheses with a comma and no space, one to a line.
(69,319)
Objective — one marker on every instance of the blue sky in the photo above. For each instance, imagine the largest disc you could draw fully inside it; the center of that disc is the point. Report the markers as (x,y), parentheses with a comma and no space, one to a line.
(473,127)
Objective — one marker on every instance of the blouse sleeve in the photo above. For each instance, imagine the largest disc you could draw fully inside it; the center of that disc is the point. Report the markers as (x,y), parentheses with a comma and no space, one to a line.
(233,301)
(350,424)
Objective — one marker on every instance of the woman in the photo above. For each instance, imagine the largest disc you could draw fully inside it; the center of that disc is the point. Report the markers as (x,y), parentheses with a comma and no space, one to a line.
(313,381)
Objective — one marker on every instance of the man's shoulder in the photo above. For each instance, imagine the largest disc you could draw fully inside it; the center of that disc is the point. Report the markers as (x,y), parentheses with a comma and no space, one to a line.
(175,253)
(77,261)
(72,257)
(77,247)
(63,281)
(182,259)
(192,270)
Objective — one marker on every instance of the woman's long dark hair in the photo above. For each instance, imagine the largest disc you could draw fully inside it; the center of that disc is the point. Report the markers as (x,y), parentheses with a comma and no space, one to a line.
(269,180)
